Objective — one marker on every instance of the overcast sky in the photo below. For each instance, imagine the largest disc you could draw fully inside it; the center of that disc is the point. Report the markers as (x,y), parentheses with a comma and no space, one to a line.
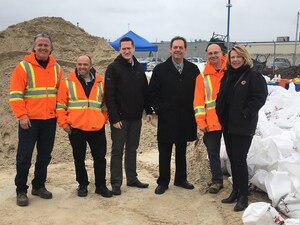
(157,20)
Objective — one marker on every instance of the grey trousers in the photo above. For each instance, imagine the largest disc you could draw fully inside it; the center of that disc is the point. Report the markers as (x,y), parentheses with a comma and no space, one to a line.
(128,137)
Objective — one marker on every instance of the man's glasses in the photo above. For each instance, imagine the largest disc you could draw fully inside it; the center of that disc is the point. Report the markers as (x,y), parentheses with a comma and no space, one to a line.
(44,34)
(213,53)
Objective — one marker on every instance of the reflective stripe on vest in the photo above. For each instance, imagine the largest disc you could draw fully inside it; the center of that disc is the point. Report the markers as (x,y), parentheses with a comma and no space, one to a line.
(209,102)
(75,103)
(31,90)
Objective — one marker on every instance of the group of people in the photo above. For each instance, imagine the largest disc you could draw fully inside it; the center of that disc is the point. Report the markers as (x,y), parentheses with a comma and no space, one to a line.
(223,99)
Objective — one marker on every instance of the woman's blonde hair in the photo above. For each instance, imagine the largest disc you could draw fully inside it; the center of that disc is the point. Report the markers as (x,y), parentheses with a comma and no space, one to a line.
(243,52)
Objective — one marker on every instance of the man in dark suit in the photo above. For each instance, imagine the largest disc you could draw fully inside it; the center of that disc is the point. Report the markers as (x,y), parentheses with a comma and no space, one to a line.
(171,95)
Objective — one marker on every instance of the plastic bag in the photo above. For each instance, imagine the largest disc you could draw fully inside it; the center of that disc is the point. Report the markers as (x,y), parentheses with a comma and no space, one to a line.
(261,213)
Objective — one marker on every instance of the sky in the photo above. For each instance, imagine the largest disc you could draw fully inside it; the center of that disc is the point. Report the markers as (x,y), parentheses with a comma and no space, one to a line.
(161,20)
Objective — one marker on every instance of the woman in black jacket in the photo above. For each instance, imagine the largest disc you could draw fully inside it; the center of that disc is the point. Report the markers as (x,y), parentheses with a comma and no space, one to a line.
(243,92)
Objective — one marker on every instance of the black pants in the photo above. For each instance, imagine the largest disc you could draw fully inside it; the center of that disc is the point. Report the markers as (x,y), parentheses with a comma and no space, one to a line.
(97,142)
(41,133)
(165,153)
(212,141)
(237,147)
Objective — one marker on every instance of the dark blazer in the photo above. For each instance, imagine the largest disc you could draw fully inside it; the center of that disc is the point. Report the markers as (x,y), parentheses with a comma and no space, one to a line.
(126,90)
(171,96)
(249,95)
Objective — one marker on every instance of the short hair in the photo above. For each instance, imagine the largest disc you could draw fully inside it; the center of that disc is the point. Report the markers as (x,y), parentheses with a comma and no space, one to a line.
(44,35)
(126,39)
(219,42)
(243,52)
(178,38)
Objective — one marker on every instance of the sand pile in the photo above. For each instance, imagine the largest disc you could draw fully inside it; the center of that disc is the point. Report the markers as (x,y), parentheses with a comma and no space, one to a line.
(69,42)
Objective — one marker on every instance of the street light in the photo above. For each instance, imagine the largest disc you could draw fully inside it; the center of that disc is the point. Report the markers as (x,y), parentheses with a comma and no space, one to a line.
(228,22)
(296,40)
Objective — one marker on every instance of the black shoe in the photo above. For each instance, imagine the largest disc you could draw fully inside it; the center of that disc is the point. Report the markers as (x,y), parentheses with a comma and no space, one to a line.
(138,184)
(22,199)
(103,191)
(116,190)
(241,204)
(82,191)
(160,189)
(185,185)
(42,192)
(231,198)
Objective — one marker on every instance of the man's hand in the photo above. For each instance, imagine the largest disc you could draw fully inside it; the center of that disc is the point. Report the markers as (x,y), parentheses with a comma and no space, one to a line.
(25,123)
(149,118)
(68,129)
(118,125)
(204,130)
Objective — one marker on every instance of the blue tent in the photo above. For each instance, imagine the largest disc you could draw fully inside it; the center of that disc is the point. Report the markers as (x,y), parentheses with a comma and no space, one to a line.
(140,43)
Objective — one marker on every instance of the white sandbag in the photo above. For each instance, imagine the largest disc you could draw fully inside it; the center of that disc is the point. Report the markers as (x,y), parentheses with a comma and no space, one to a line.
(296,127)
(284,143)
(290,205)
(278,184)
(263,158)
(292,222)
(291,165)
(261,213)
(225,163)
(259,179)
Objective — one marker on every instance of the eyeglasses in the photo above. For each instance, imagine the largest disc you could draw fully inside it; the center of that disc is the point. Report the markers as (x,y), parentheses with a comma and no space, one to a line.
(213,53)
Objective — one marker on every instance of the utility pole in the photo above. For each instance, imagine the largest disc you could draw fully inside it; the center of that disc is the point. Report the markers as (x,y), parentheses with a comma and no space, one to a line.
(228,22)
(296,40)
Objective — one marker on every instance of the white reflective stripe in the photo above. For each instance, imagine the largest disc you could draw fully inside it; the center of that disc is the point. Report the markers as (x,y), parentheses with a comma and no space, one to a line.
(208,88)
(16,95)
(71,87)
(199,110)
(210,105)
(30,73)
(60,106)
(56,72)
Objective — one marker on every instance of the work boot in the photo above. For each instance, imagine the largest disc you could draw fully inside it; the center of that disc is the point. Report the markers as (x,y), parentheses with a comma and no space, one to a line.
(22,199)
(82,191)
(215,188)
(103,191)
(42,192)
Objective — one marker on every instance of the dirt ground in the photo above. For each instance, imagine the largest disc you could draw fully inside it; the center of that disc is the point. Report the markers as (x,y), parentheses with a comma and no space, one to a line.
(134,206)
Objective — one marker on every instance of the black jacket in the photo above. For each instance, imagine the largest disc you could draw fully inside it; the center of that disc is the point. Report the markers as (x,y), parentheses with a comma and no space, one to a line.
(238,109)
(126,89)
(171,96)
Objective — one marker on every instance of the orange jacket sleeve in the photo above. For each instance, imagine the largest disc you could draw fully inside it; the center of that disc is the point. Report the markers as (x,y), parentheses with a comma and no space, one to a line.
(62,102)
(199,102)
(18,83)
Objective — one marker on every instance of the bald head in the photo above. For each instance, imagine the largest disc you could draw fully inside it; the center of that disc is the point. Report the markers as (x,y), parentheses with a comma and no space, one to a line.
(83,65)
(214,55)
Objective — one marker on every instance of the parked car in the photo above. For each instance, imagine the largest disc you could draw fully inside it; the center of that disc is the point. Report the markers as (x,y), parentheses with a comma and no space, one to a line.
(284,60)
(272,67)
(198,62)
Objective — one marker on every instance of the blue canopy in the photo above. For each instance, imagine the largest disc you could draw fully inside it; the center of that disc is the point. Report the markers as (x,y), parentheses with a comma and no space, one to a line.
(140,43)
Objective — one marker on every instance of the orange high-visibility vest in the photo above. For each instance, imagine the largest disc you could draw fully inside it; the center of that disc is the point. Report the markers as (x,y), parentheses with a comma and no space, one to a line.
(206,91)
(77,110)
(33,89)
